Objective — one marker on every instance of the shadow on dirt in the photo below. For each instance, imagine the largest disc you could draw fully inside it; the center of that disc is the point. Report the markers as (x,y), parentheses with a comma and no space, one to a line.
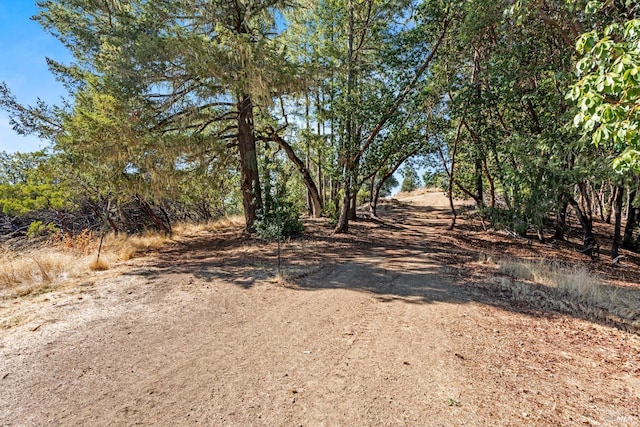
(408,255)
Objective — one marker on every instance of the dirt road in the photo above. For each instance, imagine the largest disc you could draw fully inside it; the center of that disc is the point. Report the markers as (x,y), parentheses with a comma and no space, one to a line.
(376,329)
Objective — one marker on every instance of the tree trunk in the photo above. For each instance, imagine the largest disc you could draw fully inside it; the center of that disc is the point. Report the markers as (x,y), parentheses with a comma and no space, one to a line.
(610,206)
(113,225)
(492,187)
(627,240)
(475,136)
(343,221)
(321,182)
(589,245)
(348,137)
(561,221)
(307,179)
(496,159)
(148,210)
(617,206)
(348,159)
(249,178)
(353,206)
(372,195)
(450,173)
(334,188)
(320,130)
(479,186)
(166,218)
(307,104)
(373,209)
(375,193)
(599,200)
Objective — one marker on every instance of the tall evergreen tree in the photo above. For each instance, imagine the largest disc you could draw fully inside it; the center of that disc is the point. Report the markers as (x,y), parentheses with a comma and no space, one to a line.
(167,79)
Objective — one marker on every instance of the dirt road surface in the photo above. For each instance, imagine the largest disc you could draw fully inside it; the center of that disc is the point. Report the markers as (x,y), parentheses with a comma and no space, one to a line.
(378,328)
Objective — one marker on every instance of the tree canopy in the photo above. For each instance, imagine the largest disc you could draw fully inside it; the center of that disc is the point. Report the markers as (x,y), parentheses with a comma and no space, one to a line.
(194,108)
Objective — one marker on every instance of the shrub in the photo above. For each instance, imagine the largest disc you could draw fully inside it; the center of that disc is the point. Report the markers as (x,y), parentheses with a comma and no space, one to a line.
(38,228)
(331,212)
(505,219)
(281,221)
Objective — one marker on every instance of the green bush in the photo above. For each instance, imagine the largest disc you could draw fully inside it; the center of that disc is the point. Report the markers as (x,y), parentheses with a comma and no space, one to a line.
(279,222)
(363,196)
(38,228)
(331,212)
(505,219)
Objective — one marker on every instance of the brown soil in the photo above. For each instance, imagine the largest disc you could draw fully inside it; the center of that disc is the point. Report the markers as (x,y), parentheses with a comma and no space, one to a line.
(396,323)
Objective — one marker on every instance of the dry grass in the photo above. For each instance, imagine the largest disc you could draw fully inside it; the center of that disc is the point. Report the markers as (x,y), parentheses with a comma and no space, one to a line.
(42,269)
(128,247)
(37,271)
(570,289)
(98,264)
(217,225)
(577,282)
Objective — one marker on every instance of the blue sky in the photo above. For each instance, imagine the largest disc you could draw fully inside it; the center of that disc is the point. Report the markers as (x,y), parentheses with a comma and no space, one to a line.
(24,47)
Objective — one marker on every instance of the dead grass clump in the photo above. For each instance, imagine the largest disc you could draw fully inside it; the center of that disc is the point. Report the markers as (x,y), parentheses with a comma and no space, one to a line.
(36,271)
(98,265)
(84,243)
(574,289)
(215,225)
(48,268)
(519,270)
(485,259)
(40,269)
(128,247)
(582,285)
(577,282)
(283,279)
(9,275)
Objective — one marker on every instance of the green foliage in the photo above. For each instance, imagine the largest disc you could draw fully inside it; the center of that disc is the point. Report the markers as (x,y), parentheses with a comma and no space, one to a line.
(155,87)
(411,181)
(20,199)
(18,168)
(330,211)
(608,93)
(30,182)
(505,219)
(38,228)
(362,196)
(283,220)
(434,179)
(283,195)
(503,121)
(388,185)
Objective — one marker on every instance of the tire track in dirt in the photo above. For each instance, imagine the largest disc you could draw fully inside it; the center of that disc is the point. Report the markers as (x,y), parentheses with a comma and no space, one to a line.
(374,379)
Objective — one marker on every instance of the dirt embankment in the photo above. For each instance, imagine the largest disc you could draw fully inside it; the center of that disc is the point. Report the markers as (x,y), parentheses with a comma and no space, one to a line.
(386,326)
